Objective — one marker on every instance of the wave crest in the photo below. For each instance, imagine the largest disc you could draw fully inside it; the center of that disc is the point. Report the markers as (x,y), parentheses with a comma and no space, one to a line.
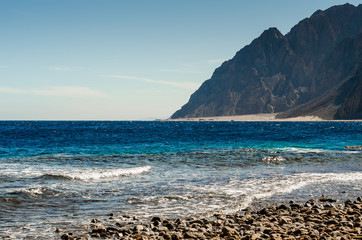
(100,174)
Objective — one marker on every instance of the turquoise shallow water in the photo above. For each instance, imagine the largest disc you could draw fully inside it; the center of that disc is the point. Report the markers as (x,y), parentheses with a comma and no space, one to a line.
(62,174)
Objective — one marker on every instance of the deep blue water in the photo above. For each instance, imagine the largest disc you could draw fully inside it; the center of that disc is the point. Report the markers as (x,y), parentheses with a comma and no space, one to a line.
(24,139)
(64,173)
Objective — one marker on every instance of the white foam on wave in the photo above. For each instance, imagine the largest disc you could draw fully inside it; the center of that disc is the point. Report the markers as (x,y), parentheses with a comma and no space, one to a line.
(20,170)
(238,194)
(302,150)
(273,159)
(104,174)
(35,191)
(83,174)
(266,187)
(314,150)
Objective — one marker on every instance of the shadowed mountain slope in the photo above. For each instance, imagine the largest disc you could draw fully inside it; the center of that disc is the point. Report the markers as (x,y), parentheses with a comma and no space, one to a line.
(278,73)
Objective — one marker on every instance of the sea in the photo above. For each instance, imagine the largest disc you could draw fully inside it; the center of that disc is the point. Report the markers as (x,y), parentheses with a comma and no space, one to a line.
(63,174)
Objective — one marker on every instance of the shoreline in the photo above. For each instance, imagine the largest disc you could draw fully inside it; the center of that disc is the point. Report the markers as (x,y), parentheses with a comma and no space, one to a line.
(324,218)
(262,117)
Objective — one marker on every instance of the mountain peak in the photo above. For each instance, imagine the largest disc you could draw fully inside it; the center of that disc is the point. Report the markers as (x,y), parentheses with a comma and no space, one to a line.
(277,73)
(270,33)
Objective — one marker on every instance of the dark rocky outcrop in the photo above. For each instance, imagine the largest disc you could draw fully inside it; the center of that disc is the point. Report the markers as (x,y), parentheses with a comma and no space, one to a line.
(318,62)
(340,93)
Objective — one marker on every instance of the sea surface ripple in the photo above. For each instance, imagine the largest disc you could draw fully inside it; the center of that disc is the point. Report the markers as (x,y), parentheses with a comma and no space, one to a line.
(64,173)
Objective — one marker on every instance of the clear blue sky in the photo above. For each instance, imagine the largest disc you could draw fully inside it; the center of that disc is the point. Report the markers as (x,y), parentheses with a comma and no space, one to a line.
(124,59)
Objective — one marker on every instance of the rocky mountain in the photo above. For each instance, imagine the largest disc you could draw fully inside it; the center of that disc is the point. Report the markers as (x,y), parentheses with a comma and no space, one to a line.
(314,69)
(342,69)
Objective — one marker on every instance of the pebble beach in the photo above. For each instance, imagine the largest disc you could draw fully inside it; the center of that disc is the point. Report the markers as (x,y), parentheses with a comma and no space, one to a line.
(324,218)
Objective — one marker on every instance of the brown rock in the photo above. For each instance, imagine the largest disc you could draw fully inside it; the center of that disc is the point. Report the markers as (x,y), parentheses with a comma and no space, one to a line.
(95,220)
(99,229)
(176,236)
(162,229)
(283,206)
(255,236)
(194,235)
(167,236)
(285,220)
(66,237)
(325,199)
(276,237)
(228,231)
(138,228)
(140,237)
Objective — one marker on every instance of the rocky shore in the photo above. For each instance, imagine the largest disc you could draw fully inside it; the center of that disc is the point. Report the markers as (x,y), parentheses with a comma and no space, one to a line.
(324,218)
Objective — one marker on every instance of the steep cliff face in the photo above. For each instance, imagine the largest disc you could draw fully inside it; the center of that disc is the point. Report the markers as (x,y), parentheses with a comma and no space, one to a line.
(276,73)
(315,37)
(256,80)
(340,85)
(351,107)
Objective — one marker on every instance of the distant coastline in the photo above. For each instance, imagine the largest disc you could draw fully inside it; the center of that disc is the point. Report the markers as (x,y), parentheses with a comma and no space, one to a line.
(262,117)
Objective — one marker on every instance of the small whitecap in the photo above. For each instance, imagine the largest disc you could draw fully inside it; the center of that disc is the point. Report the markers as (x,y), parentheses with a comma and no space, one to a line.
(273,159)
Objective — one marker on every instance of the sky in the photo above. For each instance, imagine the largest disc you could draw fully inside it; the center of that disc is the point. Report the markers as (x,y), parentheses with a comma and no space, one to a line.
(124,59)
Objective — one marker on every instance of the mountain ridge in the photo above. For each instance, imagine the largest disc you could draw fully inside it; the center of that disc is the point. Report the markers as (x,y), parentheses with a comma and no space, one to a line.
(276,73)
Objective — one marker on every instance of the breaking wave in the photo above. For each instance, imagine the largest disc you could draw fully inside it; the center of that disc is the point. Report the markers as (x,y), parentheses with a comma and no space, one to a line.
(98,174)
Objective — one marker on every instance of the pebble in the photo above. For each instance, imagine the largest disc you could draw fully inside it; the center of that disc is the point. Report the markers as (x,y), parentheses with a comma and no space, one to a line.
(310,220)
